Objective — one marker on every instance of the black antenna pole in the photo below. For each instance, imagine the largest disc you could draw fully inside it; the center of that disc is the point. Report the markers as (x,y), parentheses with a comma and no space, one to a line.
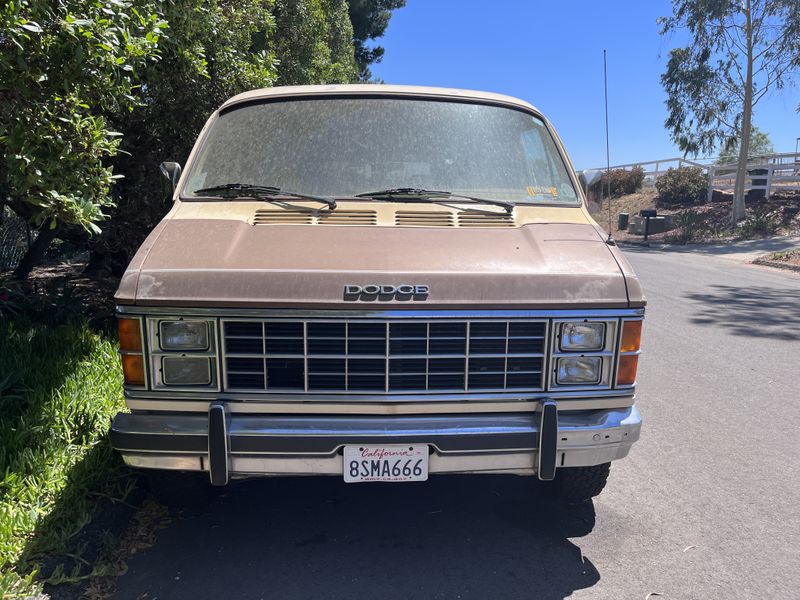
(608,153)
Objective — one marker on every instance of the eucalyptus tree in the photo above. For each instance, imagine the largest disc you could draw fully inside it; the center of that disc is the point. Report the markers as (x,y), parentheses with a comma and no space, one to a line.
(759,145)
(739,52)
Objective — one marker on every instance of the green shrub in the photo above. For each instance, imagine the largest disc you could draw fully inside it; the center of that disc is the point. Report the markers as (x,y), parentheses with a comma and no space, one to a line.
(759,223)
(620,182)
(690,225)
(65,67)
(683,186)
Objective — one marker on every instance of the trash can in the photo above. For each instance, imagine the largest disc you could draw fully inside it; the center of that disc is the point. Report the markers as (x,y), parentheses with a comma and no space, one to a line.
(757,193)
(622,221)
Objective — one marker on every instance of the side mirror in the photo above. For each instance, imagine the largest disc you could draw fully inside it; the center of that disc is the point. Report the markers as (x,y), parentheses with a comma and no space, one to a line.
(589,178)
(172,172)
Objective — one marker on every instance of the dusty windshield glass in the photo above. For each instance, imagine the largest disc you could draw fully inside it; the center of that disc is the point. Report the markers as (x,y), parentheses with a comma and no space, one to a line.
(347,146)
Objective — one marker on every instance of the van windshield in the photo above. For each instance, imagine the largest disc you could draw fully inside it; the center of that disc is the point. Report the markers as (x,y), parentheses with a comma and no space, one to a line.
(341,147)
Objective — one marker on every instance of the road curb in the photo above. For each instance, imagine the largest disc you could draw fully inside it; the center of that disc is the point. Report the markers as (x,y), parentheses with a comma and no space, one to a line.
(778,264)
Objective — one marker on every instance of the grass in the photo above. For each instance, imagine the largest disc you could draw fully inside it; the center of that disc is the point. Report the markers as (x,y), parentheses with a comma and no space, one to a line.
(59,387)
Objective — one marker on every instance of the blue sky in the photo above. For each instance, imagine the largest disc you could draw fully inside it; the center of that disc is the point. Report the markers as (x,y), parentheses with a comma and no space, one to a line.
(551,54)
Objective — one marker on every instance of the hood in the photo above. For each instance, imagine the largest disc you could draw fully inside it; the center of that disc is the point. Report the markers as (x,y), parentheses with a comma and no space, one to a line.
(232,263)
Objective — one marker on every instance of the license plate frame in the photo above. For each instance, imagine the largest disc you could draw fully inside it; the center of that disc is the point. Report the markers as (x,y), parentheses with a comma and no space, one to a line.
(395,463)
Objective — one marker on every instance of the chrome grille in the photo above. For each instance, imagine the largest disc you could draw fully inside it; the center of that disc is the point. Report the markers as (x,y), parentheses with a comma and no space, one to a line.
(402,356)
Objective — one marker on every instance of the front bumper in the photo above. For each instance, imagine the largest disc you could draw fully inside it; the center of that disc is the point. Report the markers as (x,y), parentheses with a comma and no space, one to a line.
(239,445)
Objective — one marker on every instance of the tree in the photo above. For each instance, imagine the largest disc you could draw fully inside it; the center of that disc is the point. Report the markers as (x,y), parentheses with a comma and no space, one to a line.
(63,67)
(740,51)
(370,18)
(214,50)
(95,94)
(314,42)
(759,145)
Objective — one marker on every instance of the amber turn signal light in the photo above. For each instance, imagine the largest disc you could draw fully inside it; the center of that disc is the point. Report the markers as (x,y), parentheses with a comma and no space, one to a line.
(130,335)
(631,336)
(133,369)
(626,372)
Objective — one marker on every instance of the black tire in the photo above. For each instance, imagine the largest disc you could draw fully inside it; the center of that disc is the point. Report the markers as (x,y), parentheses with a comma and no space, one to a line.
(179,489)
(579,484)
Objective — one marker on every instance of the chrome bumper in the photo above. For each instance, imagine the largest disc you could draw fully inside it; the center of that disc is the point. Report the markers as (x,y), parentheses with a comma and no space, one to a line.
(236,445)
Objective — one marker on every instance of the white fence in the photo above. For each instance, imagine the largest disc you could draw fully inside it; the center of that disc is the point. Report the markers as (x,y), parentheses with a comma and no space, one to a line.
(772,173)
(653,169)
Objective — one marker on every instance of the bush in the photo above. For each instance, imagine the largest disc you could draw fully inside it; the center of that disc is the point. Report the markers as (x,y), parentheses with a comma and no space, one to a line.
(65,66)
(760,223)
(683,186)
(690,226)
(97,91)
(620,182)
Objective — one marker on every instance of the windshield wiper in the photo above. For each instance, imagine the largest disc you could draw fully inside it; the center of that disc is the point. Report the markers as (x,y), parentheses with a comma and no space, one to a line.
(403,194)
(248,190)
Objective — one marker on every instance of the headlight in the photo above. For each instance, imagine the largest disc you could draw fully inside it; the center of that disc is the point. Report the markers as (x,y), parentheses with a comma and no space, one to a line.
(183,335)
(185,370)
(579,370)
(582,336)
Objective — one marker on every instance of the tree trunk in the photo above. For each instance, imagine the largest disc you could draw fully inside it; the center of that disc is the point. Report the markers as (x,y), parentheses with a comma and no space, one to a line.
(35,252)
(738,212)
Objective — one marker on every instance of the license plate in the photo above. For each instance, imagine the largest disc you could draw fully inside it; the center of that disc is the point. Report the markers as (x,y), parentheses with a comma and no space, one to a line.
(385,463)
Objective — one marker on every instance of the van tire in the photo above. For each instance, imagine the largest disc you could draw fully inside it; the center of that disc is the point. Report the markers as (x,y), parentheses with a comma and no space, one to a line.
(574,485)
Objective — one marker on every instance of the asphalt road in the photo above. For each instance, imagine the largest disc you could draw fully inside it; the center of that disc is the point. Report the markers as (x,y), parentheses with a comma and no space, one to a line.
(706,506)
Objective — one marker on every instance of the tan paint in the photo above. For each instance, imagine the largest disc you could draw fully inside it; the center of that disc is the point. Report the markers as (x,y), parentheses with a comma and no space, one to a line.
(228,263)
(415,91)
(385,211)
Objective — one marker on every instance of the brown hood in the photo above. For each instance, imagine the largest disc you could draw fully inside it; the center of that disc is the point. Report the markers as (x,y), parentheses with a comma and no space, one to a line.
(231,263)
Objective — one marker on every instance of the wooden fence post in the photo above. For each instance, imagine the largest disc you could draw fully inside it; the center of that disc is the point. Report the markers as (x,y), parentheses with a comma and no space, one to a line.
(710,183)
(770,171)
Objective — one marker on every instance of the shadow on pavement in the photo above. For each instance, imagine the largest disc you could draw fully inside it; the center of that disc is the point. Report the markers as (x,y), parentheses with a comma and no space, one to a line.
(317,537)
(755,311)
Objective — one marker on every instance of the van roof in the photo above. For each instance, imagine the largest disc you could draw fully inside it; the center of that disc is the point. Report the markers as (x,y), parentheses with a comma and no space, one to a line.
(370,89)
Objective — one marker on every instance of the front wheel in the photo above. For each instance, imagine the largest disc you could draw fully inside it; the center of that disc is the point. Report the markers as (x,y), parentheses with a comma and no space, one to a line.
(579,484)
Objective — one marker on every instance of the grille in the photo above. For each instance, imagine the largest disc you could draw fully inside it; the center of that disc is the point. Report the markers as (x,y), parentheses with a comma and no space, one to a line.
(383,356)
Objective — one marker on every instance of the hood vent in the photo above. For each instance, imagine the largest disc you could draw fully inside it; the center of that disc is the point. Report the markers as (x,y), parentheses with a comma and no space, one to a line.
(283,217)
(347,217)
(411,218)
(403,218)
(482,219)
(324,217)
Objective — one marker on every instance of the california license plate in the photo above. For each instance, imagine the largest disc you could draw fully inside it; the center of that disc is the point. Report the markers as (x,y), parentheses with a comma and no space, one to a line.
(385,463)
